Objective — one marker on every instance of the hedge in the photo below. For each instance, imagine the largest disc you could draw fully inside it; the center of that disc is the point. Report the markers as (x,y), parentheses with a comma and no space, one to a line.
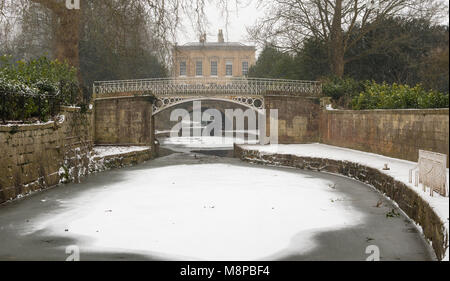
(395,96)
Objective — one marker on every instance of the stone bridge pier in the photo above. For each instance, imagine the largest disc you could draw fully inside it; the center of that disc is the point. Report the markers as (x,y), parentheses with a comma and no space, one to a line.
(124,121)
(298,118)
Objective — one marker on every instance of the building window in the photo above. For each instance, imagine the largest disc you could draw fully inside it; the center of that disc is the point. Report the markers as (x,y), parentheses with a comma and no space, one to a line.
(245,68)
(183,68)
(229,68)
(199,68)
(214,68)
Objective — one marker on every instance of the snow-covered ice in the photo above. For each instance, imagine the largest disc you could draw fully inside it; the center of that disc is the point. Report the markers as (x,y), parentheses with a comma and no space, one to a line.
(210,211)
(186,144)
(188,206)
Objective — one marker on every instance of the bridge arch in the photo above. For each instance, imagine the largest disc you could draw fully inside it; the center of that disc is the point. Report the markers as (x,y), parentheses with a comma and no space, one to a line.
(255,103)
(162,122)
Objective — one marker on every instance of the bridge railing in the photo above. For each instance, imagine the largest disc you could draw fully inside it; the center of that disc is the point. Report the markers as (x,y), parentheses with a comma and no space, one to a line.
(210,86)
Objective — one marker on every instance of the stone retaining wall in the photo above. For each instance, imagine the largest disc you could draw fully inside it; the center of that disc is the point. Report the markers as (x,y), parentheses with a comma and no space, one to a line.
(103,163)
(407,199)
(33,157)
(398,133)
(298,118)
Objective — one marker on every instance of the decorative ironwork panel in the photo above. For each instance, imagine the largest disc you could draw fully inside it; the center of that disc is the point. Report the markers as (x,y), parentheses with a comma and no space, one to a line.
(164,102)
(211,87)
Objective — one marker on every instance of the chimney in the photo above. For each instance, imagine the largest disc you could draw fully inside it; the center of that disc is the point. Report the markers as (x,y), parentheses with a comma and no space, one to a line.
(220,36)
(203,38)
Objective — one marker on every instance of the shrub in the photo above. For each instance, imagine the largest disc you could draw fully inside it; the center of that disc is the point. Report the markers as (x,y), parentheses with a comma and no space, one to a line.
(342,90)
(35,89)
(395,96)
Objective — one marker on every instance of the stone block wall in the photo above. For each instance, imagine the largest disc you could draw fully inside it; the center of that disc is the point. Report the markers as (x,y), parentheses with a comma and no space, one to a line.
(33,157)
(124,121)
(298,118)
(394,133)
(407,199)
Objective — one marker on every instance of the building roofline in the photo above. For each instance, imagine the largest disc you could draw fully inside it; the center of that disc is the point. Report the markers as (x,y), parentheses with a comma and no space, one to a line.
(214,45)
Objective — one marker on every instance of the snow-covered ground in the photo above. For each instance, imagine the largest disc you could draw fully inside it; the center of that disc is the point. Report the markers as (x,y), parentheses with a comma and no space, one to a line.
(399,169)
(60,119)
(186,144)
(103,151)
(17,124)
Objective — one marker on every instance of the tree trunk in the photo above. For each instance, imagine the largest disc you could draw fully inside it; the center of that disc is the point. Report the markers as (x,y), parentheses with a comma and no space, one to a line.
(337,63)
(66,34)
(68,37)
(67,31)
(67,40)
(336,44)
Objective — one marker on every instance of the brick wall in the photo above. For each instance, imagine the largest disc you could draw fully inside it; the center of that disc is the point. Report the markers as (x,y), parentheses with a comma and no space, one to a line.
(33,157)
(394,133)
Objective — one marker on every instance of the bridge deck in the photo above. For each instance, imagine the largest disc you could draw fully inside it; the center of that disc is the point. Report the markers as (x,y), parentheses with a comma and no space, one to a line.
(210,87)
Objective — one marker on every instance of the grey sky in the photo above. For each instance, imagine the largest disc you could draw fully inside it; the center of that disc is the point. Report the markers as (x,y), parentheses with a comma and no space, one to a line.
(245,15)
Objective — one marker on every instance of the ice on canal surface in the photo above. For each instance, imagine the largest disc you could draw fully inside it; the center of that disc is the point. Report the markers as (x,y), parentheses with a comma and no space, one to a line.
(197,206)
(186,144)
(208,212)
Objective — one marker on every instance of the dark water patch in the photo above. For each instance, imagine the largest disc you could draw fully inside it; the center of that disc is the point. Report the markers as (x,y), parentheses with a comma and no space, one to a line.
(165,152)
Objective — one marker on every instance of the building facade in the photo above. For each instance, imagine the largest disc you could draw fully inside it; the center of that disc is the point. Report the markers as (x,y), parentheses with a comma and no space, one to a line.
(213,59)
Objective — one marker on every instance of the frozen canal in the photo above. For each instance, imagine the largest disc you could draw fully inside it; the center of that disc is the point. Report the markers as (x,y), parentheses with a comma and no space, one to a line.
(192,206)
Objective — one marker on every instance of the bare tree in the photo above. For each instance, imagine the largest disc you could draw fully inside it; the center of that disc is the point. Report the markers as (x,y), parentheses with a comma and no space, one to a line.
(9,21)
(164,15)
(65,24)
(340,23)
